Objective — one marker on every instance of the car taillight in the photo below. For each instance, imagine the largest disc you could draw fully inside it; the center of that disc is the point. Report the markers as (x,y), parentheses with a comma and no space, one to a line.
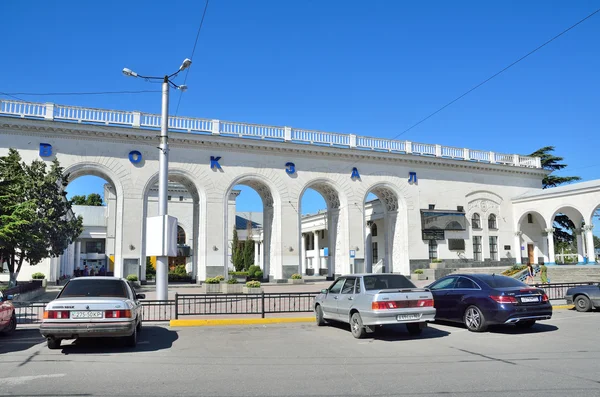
(117,314)
(54,314)
(544,298)
(504,299)
(384,305)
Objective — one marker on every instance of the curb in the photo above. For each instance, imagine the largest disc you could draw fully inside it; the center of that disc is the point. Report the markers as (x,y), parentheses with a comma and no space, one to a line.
(563,307)
(239,321)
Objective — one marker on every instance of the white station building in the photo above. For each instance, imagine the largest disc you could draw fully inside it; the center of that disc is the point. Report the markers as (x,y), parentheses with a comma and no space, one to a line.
(472,207)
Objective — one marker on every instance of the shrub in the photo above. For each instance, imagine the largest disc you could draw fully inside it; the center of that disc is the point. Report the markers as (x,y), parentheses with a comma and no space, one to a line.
(212,280)
(180,269)
(253,284)
(436,261)
(132,277)
(252,270)
(232,280)
(219,278)
(514,270)
(419,271)
(38,276)
(296,276)
(258,275)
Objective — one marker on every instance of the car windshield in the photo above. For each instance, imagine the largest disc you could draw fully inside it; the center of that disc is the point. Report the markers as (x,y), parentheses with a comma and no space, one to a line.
(94,288)
(502,282)
(387,281)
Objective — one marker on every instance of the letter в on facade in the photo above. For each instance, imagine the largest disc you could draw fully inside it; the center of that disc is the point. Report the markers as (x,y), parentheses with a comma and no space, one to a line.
(412,177)
(45,150)
(214,162)
(355,174)
(135,156)
(290,168)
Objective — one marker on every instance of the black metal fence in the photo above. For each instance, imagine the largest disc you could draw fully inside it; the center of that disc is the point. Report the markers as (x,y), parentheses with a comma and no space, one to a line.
(559,290)
(23,287)
(224,304)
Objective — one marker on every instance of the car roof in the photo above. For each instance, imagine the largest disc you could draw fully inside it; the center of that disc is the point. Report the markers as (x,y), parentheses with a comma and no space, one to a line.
(97,278)
(370,274)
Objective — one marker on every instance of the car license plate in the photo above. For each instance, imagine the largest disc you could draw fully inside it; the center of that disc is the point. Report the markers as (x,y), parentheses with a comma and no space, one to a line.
(404,317)
(86,314)
(528,299)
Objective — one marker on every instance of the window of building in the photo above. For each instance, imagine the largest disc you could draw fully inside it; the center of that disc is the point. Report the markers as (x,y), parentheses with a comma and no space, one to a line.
(492,224)
(169,198)
(529,218)
(180,236)
(476,221)
(375,253)
(180,198)
(374,230)
(477,248)
(433,247)
(494,248)
(94,247)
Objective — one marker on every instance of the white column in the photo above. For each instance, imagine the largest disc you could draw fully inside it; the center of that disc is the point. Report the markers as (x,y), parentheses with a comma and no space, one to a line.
(303,254)
(517,250)
(368,248)
(256,253)
(550,238)
(317,257)
(580,245)
(77,260)
(589,234)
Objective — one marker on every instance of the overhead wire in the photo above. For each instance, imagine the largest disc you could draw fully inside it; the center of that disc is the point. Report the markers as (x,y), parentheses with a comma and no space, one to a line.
(193,52)
(78,93)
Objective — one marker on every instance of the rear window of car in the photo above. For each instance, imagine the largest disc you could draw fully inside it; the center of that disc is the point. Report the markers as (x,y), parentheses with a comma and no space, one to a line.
(502,282)
(387,281)
(94,288)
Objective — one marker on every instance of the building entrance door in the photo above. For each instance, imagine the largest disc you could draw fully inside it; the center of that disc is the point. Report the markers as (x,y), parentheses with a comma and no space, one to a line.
(530,251)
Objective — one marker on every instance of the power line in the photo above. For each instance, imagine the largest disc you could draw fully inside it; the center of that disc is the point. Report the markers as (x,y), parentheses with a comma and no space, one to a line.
(497,74)
(78,93)
(12,96)
(193,52)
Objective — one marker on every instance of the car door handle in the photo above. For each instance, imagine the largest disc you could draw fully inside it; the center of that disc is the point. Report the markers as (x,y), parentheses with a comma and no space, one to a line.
(335,297)
(350,298)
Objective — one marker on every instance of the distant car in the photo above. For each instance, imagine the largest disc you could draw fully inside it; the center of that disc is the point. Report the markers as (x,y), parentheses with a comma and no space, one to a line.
(8,318)
(369,300)
(480,300)
(92,307)
(584,297)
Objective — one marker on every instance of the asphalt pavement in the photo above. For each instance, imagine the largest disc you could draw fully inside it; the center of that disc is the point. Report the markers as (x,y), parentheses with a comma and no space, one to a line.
(559,357)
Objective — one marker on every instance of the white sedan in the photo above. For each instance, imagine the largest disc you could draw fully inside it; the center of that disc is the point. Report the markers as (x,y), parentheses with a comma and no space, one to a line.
(93,307)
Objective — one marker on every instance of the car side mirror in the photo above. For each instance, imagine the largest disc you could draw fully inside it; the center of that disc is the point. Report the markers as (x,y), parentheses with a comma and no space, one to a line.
(140,296)
(324,291)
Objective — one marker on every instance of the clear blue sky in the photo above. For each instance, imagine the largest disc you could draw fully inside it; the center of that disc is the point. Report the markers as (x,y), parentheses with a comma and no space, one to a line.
(370,68)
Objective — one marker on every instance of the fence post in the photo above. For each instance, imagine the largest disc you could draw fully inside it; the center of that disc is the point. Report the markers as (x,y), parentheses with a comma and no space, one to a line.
(262,304)
(176,306)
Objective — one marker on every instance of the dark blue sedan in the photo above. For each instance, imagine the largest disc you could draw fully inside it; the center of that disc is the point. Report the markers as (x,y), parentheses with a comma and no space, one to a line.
(479,300)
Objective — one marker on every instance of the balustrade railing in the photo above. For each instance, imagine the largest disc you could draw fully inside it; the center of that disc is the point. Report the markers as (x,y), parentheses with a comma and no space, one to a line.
(50,111)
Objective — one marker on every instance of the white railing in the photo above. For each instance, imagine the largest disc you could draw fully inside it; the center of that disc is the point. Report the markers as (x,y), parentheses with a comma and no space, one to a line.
(50,111)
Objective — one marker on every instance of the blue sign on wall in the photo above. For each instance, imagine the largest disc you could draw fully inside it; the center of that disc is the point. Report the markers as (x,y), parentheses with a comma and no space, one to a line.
(355,174)
(325,251)
(135,156)
(290,168)
(412,177)
(214,162)
(45,150)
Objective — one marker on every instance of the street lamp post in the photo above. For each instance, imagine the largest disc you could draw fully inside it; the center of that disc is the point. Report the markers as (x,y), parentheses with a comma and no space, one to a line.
(162,262)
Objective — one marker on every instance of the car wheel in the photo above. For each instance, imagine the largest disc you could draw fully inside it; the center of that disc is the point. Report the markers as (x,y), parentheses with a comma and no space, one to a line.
(583,304)
(474,319)
(131,340)
(319,316)
(53,343)
(139,327)
(357,327)
(414,328)
(525,324)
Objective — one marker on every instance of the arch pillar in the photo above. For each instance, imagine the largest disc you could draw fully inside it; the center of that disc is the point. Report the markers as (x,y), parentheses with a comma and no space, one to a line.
(589,234)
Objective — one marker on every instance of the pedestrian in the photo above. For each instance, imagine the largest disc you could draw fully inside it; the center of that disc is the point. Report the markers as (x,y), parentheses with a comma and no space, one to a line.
(543,273)
(530,274)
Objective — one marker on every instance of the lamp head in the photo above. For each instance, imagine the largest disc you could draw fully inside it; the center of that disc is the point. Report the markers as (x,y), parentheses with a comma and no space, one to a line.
(182,87)
(129,72)
(186,64)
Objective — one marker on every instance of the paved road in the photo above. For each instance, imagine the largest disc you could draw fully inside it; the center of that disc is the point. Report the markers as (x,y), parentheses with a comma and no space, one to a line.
(560,357)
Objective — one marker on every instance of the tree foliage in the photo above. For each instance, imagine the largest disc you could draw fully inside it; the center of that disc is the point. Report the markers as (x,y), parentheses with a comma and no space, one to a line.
(248,252)
(36,221)
(93,199)
(237,257)
(550,162)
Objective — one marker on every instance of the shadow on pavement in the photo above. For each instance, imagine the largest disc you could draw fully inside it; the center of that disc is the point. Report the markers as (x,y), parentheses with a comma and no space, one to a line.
(393,333)
(152,338)
(21,339)
(506,329)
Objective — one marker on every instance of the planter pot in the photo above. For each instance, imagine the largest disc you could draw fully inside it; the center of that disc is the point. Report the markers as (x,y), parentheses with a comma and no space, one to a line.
(439,265)
(421,277)
(295,281)
(310,272)
(247,290)
(44,283)
(231,288)
(212,288)
(241,279)
(323,272)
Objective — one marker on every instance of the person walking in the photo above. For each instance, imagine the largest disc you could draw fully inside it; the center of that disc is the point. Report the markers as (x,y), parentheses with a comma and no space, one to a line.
(544,273)
(530,274)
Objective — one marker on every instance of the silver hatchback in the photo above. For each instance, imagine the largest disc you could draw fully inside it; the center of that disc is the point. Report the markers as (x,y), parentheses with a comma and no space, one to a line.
(369,300)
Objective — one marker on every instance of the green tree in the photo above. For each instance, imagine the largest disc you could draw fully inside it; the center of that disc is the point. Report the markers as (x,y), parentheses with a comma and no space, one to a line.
(563,226)
(237,255)
(248,252)
(36,221)
(93,199)
(596,242)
